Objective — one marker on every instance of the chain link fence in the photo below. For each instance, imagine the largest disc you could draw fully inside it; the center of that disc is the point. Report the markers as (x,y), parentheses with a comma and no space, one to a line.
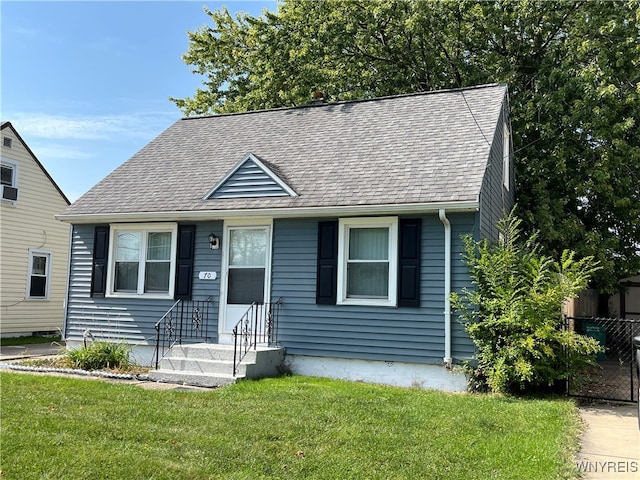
(615,376)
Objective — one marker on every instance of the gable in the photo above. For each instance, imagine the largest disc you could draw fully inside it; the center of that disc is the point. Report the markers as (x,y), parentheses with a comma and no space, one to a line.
(250,178)
(15,150)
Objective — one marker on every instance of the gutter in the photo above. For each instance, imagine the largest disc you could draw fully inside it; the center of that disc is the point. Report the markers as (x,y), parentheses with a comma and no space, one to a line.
(448,361)
(275,212)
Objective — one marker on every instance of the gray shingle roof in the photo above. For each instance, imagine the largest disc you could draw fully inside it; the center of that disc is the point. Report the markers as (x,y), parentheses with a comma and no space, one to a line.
(409,149)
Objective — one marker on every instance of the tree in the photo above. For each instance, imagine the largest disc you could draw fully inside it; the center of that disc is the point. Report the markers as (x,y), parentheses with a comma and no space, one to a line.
(513,315)
(571,66)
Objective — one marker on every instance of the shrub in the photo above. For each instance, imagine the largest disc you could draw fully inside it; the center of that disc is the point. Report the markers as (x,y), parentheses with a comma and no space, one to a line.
(100,355)
(514,313)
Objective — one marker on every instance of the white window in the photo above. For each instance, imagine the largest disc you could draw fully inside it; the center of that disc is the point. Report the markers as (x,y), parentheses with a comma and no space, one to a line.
(367,261)
(506,156)
(9,181)
(142,260)
(39,276)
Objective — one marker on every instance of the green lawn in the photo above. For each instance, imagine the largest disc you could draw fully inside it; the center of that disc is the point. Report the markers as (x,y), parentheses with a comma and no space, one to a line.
(288,427)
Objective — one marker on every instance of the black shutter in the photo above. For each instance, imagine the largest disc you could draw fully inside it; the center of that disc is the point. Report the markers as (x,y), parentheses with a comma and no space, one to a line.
(327,275)
(100,258)
(184,262)
(409,263)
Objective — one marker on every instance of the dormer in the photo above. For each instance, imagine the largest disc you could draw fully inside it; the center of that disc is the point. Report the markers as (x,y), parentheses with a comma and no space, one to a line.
(250,178)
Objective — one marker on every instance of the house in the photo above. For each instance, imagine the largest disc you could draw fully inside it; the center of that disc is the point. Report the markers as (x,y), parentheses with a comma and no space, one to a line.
(34,246)
(347,217)
(625,303)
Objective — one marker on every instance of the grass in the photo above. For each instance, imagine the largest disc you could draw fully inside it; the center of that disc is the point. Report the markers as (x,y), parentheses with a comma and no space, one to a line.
(288,427)
(100,355)
(12,341)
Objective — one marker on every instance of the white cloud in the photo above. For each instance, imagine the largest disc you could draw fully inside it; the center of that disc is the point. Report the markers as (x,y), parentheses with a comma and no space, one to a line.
(97,127)
(53,151)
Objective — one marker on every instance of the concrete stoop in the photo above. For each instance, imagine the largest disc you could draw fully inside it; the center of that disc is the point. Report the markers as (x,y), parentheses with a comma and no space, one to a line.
(211,365)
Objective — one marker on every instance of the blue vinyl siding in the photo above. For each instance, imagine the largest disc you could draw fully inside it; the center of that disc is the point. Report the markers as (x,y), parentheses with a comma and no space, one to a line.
(364,332)
(126,319)
(495,198)
(462,346)
(249,181)
(207,260)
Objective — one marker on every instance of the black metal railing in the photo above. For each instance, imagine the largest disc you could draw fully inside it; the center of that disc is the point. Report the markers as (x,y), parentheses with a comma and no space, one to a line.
(615,376)
(186,319)
(259,325)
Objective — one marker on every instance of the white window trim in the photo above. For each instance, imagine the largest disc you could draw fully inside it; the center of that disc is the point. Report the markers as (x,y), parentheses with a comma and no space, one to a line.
(371,222)
(14,181)
(506,156)
(33,252)
(145,228)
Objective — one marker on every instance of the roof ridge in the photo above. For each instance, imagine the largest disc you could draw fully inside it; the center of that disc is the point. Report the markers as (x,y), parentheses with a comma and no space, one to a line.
(345,102)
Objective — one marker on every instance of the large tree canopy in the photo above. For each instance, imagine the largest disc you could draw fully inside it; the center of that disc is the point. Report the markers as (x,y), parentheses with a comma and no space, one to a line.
(573,70)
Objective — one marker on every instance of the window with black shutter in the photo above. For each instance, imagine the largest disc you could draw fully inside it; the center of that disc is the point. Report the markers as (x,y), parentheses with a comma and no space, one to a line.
(369,261)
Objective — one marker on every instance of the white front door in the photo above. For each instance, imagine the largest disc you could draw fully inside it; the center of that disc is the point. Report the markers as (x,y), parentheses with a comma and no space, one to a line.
(246,273)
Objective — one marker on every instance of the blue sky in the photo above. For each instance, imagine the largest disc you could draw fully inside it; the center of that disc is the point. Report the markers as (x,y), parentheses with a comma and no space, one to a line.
(87,83)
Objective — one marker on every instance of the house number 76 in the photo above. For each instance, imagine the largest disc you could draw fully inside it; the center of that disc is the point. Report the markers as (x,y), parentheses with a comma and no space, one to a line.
(207,275)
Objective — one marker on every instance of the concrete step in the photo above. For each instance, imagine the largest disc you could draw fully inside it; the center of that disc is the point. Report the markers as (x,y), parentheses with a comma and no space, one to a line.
(192,378)
(212,351)
(202,351)
(212,364)
(187,364)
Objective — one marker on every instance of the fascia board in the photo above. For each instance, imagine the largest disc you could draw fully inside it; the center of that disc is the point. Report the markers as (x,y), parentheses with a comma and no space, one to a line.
(301,212)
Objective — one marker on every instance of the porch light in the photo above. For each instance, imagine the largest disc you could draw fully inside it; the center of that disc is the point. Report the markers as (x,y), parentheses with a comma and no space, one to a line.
(214,241)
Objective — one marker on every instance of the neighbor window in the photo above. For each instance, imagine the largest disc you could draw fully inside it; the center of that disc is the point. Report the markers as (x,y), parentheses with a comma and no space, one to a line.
(367,261)
(142,259)
(7,175)
(9,181)
(39,277)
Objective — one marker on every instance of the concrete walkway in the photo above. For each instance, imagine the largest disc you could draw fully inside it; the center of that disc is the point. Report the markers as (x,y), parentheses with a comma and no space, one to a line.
(16,352)
(610,443)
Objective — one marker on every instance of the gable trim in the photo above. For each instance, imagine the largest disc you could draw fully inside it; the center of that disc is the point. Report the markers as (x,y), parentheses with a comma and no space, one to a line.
(288,191)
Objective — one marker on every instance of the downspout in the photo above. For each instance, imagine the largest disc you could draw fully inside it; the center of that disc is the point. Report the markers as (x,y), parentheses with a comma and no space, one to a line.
(65,302)
(447,288)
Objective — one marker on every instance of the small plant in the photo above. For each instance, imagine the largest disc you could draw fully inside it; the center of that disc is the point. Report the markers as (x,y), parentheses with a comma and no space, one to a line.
(514,313)
(99,355)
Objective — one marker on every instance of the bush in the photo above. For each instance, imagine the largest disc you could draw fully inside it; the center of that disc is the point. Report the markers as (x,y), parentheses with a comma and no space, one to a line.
(514,313)
(99,355)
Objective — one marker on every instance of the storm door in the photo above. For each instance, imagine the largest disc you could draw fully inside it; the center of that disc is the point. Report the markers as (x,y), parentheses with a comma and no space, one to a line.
(247,255)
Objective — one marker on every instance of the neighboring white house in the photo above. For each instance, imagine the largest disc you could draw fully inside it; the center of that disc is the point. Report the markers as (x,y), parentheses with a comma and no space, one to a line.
(34,246)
